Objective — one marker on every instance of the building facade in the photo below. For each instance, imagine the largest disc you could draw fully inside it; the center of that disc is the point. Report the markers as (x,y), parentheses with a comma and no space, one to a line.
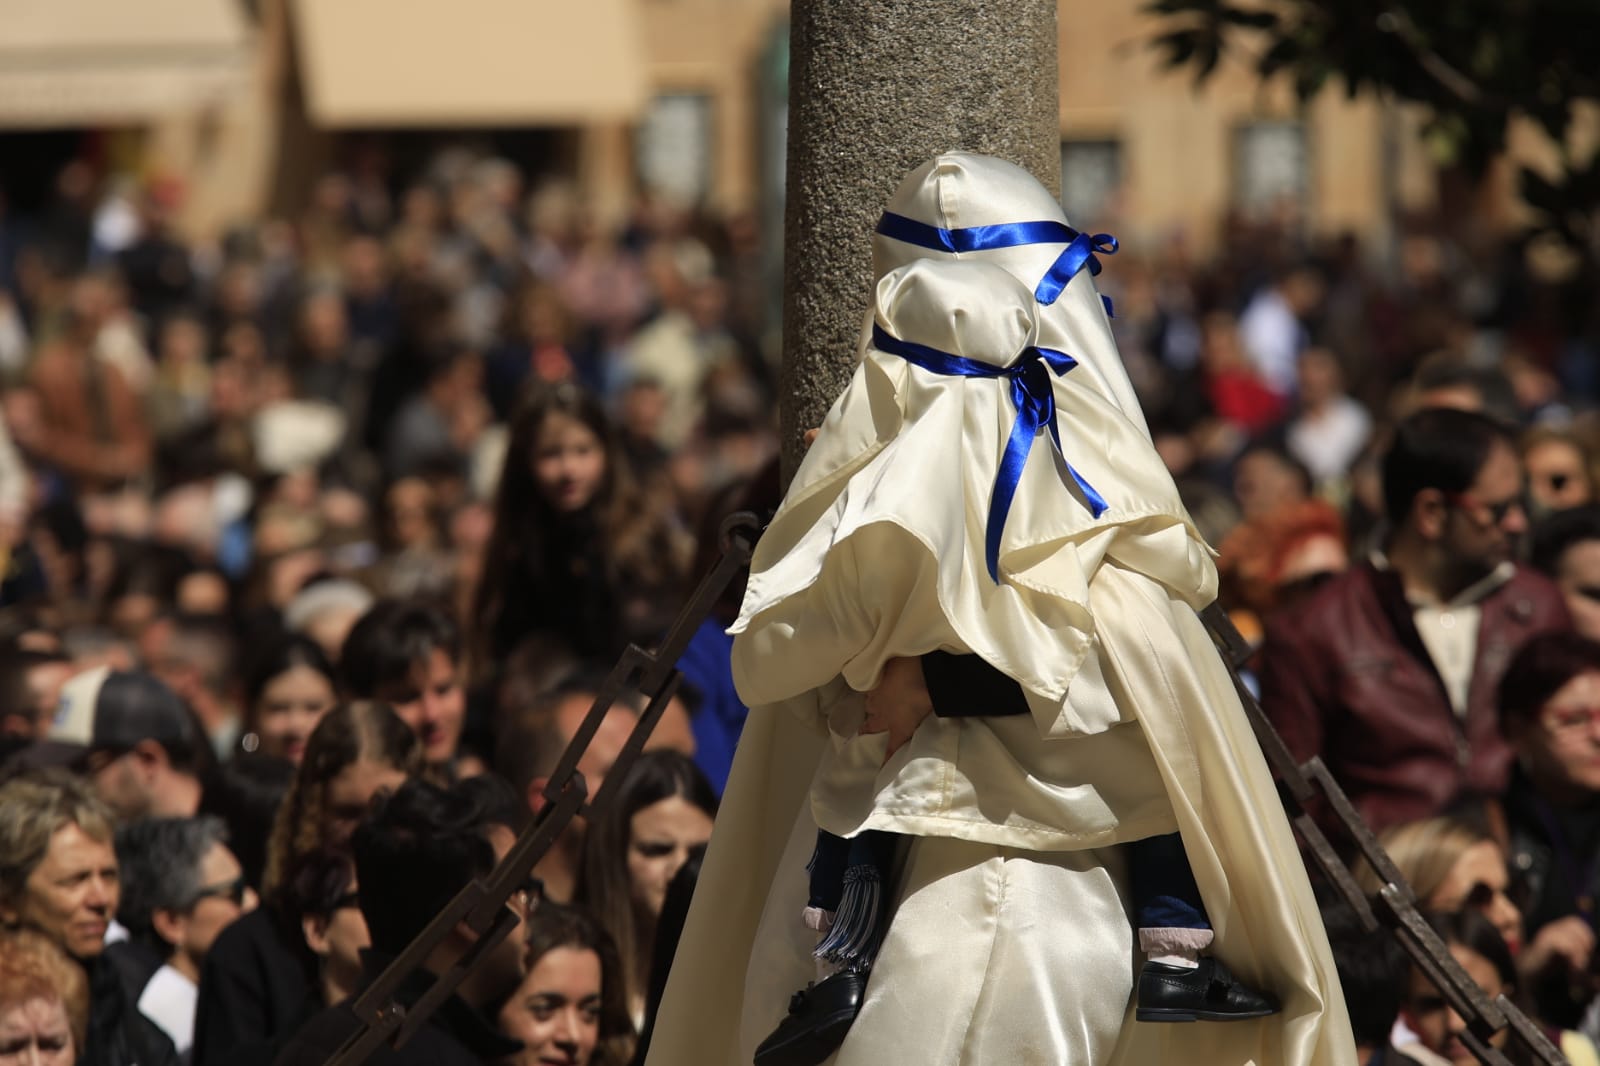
(244,100)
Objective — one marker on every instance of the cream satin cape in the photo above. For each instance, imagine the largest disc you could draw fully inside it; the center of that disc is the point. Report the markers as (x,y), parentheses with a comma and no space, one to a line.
(1125,586)
(743,952)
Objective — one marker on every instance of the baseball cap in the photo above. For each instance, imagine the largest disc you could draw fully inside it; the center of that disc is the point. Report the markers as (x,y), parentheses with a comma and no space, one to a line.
(105,710)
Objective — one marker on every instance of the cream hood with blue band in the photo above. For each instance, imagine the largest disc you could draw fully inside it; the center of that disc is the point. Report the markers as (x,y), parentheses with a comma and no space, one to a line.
(914,457)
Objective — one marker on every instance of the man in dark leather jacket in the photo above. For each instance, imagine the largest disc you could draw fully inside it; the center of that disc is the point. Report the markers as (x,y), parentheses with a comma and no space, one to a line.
(1390,671)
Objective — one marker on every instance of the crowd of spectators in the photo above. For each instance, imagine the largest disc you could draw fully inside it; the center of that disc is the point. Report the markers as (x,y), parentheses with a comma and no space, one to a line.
(318,540)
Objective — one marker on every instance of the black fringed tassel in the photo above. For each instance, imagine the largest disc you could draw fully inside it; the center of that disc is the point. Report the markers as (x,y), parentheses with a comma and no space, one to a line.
(849,883)
(853,940)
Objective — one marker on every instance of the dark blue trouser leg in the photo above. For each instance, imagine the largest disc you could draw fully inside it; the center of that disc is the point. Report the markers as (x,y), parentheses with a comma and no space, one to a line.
(1163,890)
(826,871)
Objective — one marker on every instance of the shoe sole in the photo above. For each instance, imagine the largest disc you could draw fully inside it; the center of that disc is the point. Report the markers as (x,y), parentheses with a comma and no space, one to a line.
(810,1048)
(1168,1014)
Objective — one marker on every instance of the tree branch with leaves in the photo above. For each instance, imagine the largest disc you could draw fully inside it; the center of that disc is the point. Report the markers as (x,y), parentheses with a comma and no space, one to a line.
(1474,65)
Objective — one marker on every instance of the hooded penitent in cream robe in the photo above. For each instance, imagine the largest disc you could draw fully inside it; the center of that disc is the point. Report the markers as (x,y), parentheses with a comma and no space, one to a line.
(1009,941)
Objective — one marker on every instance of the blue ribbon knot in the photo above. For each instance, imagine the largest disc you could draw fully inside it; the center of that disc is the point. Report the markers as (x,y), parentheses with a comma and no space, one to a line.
(1033,395)
(1080,250)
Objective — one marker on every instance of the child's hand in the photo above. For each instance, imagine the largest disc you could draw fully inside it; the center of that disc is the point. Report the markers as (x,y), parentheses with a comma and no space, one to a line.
(898,704)
(810,436)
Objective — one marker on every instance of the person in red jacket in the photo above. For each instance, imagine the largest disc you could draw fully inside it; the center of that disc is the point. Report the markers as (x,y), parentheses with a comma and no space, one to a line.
(1389,672)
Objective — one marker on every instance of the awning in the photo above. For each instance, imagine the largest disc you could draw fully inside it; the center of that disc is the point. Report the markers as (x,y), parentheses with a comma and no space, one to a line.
(106,62)
(469,62)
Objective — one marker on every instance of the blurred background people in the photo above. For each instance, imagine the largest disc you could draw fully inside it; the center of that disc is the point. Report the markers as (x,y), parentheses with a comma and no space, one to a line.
(408,655)
(136,741)
(586,554)
(1389,671)
(181,887)
(325,897)
(288,690)
(260,973)
(59,877)
(44,1001)
(1565,546)
(433,841)
(1550,713)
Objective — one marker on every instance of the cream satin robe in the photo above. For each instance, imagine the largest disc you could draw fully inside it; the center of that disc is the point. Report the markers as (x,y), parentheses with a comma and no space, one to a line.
(1010,941)
(744,950)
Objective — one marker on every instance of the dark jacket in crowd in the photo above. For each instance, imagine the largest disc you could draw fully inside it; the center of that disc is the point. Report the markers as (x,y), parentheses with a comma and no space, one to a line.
(455,1034)
(1346,676)
(118,1034)
(1555,863)
(254,986)
(134,965)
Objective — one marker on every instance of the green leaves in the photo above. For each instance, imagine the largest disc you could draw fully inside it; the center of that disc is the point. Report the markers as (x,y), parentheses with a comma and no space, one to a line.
(1565,204)
(1474,64)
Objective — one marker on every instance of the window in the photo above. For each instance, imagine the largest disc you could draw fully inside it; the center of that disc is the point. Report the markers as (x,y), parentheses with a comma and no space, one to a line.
(1091,177)
(1271,167)
(673,146)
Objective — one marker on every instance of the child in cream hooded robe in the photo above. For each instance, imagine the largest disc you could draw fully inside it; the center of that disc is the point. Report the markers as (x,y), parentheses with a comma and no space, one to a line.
(1135,731)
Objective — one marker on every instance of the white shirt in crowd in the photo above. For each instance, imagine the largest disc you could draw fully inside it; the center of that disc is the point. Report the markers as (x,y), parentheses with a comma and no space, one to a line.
(1274,338)
(169,1000)
(1328,441)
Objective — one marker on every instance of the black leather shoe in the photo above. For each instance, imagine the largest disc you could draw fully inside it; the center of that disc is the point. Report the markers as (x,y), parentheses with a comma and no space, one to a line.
(819,1017)
(1206,993)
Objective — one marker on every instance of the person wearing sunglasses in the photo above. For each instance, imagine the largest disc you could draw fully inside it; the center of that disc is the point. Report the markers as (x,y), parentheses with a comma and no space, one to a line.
(182,887)
(1455,866)
(1388,672)
(1550,712)
(414,851)
(1431,1032)
(323,894)
(1452,863)
(1565,547)
(1558,469)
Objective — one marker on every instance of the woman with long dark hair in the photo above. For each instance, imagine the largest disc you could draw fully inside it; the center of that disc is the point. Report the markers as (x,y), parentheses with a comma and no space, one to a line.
(632,851)
(580,550)
(289,688)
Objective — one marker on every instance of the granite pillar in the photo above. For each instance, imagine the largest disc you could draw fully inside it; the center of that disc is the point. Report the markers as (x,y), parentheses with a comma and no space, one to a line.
(877,87)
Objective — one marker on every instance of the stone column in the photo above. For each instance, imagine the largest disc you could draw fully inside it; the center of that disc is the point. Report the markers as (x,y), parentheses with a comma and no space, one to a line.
(877,87)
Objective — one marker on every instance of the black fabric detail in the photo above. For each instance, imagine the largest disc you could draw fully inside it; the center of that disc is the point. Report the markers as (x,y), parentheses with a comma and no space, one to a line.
(967,686)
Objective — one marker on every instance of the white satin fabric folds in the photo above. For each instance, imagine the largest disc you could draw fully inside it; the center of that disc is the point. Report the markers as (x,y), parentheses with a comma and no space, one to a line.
(1027,956)
(1009,941)
(744,952)
(963,191)
(879,547)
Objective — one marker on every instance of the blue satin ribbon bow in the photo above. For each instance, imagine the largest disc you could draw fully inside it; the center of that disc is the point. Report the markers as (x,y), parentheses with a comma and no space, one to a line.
(1080,251)
(1034,398)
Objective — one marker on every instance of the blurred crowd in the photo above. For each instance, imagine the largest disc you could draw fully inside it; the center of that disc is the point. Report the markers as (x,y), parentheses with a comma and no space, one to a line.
(317,542)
